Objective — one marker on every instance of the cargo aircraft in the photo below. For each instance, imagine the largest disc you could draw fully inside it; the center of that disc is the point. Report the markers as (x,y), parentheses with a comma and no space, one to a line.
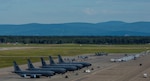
(61,61)
(56,70)
(68,68)
(52,63)
(32,74)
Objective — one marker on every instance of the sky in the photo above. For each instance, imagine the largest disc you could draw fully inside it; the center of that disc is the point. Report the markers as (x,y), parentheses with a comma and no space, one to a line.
(65,11)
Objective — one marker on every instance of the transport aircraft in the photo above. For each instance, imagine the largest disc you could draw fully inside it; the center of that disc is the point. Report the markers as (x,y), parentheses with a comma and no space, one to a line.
(68,68)
(32,74)
(52,63)
(61,61)
(56,70)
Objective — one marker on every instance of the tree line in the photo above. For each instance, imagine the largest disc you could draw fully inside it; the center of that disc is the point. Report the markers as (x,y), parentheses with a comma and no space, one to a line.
(76,39)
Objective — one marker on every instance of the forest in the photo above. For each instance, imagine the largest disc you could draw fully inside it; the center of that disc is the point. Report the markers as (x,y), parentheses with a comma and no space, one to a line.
(76,39)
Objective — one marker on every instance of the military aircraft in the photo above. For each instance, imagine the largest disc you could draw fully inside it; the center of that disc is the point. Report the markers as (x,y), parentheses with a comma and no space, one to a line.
(68,68)
(56,70)
(32,74)
(52,63)
(60,61)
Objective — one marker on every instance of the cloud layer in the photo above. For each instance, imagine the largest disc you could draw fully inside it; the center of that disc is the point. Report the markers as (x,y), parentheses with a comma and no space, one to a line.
(61,11)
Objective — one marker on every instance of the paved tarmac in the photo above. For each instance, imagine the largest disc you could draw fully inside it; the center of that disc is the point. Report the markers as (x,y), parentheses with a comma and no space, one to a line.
(103,70)
(98,63)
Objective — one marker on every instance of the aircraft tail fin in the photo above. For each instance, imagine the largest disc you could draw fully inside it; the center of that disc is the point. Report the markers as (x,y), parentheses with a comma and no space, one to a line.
(43,62)
(16,67)
(51,60)
(30,65)
(60,60)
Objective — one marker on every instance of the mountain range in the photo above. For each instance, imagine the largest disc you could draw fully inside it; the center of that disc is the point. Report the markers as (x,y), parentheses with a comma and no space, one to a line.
(111,28)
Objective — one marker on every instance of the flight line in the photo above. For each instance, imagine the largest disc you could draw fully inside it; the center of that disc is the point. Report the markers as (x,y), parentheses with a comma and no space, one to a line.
(49,70)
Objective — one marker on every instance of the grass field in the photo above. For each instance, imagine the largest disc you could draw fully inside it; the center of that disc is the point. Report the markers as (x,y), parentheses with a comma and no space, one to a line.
(21,52)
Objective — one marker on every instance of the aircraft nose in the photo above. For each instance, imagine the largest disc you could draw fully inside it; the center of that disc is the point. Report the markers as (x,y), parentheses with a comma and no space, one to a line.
(54,73)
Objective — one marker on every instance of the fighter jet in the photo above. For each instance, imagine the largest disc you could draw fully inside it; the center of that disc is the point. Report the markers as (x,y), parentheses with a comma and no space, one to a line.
(32,74)
(52,63)
(68,68)
(56,70)
(60,61)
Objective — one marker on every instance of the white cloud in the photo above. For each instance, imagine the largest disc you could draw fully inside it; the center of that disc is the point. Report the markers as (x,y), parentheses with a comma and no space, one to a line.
(90,11)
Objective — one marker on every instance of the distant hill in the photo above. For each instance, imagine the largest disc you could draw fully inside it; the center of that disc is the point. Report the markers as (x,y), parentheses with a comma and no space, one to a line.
(111,28)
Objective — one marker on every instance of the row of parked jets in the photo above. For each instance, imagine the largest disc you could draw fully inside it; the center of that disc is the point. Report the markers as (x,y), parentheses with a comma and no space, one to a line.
(49,70)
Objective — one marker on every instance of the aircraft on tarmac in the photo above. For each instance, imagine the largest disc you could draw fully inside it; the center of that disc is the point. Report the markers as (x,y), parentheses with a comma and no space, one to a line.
(56,70)
(52,63)
(32,74)
(68,68)
(60,61)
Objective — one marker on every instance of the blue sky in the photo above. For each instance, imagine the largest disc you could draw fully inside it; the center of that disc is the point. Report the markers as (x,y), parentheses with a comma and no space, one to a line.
(64,11)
